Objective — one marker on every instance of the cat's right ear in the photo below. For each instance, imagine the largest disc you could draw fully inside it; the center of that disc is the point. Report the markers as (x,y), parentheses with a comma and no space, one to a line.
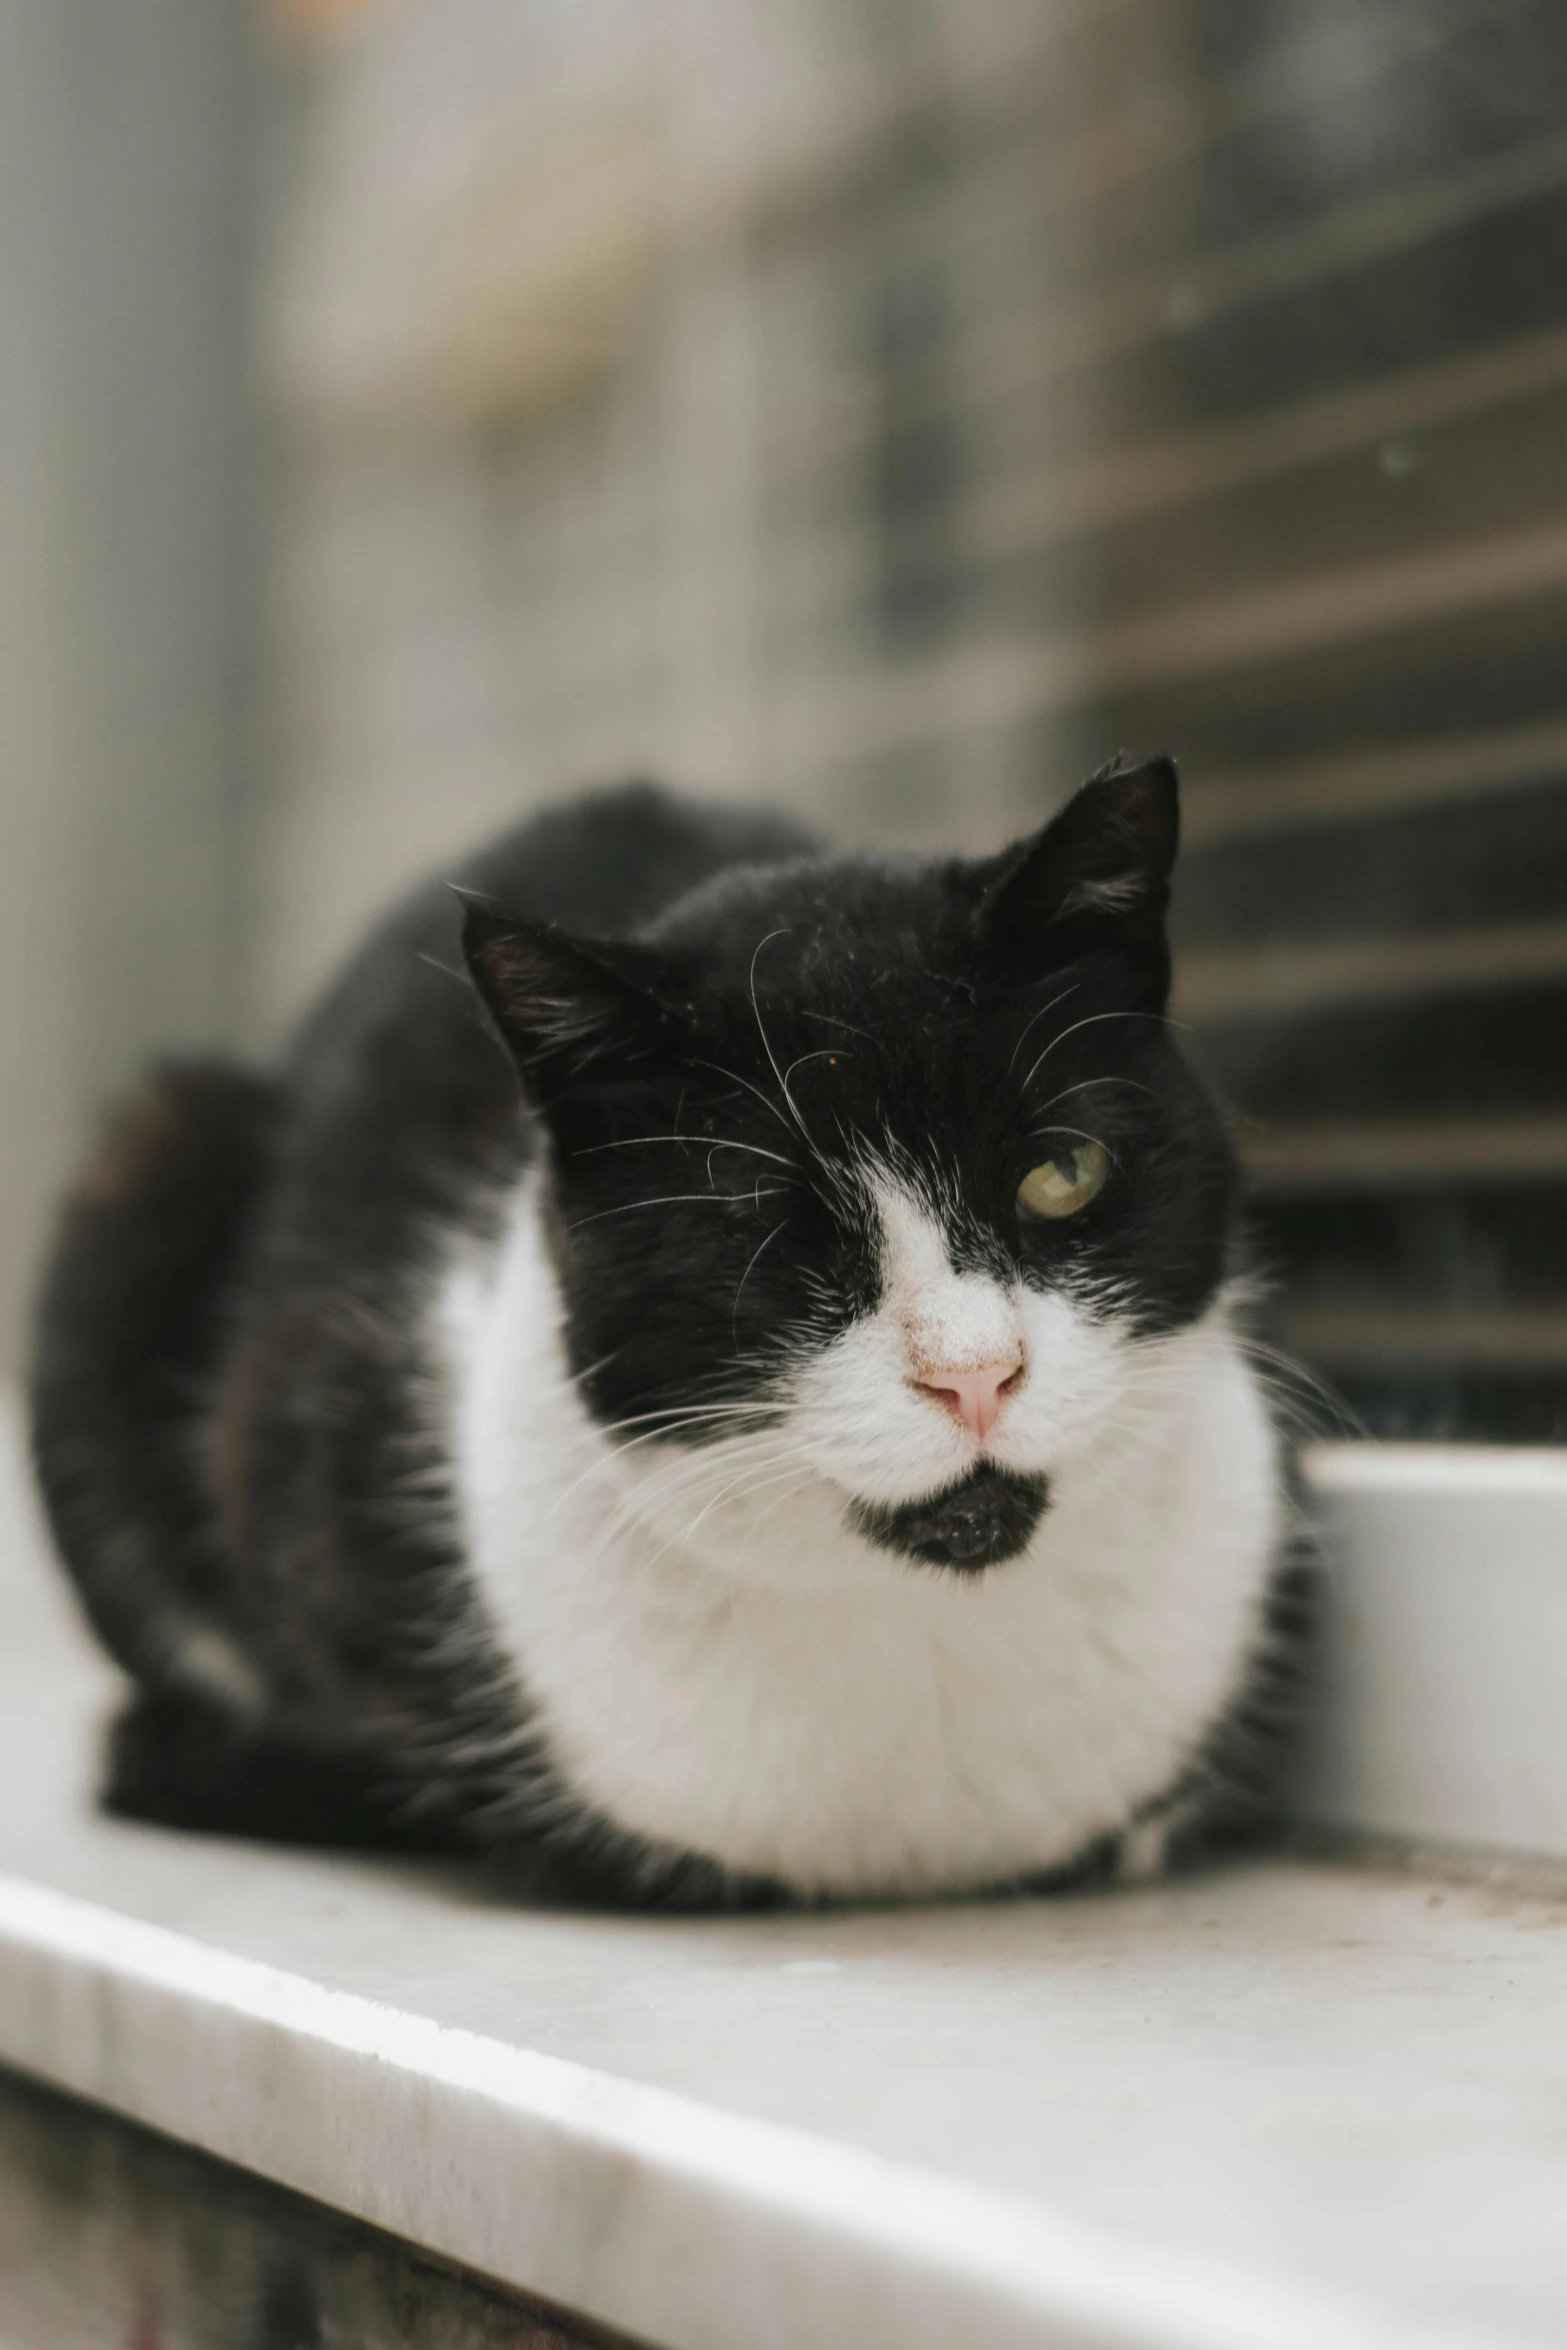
(561,1003)
(1095,879)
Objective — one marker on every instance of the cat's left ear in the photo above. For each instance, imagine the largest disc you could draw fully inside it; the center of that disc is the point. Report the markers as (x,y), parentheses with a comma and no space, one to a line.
(560,1003)
(1097,877)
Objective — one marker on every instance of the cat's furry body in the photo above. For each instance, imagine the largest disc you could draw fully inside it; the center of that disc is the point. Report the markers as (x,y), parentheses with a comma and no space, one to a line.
(579,1474)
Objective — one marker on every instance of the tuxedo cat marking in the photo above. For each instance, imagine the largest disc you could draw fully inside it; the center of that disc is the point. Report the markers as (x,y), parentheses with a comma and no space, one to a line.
(741,1397)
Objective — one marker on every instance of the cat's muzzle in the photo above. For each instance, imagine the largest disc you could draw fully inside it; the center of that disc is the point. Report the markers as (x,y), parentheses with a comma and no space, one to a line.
(985,1519)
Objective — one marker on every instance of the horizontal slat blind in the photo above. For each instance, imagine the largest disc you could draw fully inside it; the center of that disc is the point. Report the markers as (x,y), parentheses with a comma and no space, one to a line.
(1008,381)
(1374,908)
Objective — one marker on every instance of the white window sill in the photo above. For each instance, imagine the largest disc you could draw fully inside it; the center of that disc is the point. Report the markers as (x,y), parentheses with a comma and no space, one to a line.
(1295,2103)
(1441,1705)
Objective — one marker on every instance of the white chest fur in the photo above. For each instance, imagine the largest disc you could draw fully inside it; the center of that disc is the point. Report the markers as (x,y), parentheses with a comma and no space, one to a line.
(720,1663)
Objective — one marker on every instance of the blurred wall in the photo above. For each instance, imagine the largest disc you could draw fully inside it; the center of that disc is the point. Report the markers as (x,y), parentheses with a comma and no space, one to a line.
(615,349)
(124,172)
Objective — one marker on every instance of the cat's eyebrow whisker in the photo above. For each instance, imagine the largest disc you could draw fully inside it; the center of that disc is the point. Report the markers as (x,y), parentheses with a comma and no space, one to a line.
(1087,1085)
(823,1055)
(1092,1021)
(1034,1020)
(761,1027)
(735,1078)
(783,1079)
(831,1021)
(1038,1134)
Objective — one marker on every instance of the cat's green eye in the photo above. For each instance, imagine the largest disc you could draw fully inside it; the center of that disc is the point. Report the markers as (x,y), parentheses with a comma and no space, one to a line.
(1065,1183)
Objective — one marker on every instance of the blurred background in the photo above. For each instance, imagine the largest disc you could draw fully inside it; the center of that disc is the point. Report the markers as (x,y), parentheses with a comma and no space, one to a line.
(412,409)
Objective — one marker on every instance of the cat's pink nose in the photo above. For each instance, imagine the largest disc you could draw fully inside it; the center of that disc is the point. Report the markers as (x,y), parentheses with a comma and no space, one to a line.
(975,1396)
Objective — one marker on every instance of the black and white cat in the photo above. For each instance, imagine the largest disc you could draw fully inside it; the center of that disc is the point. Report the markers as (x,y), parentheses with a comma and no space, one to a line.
(793,1441)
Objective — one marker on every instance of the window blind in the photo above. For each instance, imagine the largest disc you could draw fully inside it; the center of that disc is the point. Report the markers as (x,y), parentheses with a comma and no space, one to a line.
(1009,381)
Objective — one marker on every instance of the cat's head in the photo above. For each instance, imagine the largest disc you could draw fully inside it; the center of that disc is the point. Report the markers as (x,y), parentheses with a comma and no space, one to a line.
(874,1176)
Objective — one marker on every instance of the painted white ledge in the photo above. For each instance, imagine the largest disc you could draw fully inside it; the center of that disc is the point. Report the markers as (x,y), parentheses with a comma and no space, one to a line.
(1441,1713)
(1295,2104)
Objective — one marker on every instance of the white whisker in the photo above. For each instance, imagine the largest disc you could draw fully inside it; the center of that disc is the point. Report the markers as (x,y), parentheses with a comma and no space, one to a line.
(1092,1021)
(671,1199)
(691,1142)
(734,1315)
(1034,1021)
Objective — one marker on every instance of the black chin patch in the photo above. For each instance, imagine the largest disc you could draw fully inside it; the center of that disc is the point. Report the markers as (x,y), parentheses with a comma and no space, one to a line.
(984,1520)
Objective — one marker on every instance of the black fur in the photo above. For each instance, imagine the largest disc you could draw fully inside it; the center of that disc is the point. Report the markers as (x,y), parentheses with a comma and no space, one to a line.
(131,1320)
(707,1016)
(980,1522)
